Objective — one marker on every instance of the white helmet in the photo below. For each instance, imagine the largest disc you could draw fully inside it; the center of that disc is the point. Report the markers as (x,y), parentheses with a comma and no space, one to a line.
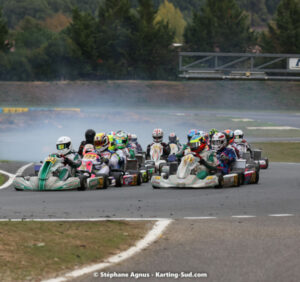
(238,135)
(63,145)
(218,141)
(157,135)
(133,138)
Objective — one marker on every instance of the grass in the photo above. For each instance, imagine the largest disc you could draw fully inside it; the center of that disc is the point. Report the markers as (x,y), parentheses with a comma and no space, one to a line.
(36,250)
(3,179)
(280,151)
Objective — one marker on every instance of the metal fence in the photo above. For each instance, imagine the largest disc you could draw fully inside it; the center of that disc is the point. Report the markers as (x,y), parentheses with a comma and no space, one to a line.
(199,65)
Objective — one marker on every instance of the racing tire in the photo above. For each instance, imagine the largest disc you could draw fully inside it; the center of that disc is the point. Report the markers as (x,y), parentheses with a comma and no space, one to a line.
(82,184)
(119,179)
(155,187)
(267,163)
(241,179)
(139,179)
(256,178)
(105,182)
(221,182)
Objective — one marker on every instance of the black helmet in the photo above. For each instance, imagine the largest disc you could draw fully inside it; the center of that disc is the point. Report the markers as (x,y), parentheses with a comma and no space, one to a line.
(90,135)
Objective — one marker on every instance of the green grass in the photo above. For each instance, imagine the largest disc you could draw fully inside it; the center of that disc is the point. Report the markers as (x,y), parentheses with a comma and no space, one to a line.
(280,151)
(3,179)
(37,250)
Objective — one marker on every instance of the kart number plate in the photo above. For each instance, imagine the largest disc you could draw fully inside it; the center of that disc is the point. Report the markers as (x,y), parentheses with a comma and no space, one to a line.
(51,160)
(209,178)
(157,178)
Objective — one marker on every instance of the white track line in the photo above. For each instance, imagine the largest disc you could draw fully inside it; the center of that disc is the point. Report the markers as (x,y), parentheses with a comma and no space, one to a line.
(152,236)
(21,169)
(281,215)
(243,216)
(12,176)
(200,217)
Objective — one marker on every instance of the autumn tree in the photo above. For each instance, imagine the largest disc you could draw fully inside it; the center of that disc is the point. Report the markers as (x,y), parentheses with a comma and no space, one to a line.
(167,13)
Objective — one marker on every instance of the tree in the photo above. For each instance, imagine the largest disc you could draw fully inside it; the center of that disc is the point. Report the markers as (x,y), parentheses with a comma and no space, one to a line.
(219,26)
(171,15)
(82,31)
(3,32)
(114,36)
(283,34)
(151,55)
(31,34)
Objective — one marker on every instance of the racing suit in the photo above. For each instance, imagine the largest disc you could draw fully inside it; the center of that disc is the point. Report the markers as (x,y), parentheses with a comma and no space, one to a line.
(166,150)
(236,150)
(110,158)
(71,161)
(226,157)
(136,147)
(207,161)
(123,155)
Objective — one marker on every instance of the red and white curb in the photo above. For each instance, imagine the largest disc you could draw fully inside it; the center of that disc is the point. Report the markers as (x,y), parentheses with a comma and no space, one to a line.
(11,177)
(154,234)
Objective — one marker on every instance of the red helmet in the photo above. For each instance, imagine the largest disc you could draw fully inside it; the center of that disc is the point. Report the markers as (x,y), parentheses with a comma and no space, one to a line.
(229,135)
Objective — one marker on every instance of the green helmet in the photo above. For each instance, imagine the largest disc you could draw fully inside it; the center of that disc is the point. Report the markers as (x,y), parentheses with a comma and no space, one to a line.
(121,139)
(212,132)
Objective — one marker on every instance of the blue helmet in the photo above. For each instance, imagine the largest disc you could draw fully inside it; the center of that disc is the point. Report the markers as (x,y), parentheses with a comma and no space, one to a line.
(192,133)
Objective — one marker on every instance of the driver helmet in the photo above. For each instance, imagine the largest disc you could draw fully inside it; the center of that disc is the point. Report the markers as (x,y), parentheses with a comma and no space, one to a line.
(111,138)
(173,138)
(63,145)
(88,148)
(212,132)
(229,136)
(192,133)
(197,143)
(121,139)
(90,135)
(133,138)
(218,141)
(238,135)
(101,142)
(157,135)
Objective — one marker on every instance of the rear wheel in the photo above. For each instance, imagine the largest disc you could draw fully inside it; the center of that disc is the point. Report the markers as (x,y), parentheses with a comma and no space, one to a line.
(119,179)
(105,182)
(256,177)
(267,163)
(221,182)
(139,179)
(82,183)
(241,179)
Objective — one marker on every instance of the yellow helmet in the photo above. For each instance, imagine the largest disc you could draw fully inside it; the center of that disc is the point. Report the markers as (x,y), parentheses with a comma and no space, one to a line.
(101,142)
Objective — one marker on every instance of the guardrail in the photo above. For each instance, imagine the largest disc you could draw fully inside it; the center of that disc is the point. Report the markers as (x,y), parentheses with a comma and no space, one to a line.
(202,65)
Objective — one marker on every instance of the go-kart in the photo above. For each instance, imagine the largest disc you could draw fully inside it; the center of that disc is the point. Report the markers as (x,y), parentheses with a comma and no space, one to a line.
(253,157)
(257,157)
(89,180)
(248,174)
(129,174)
(51,177)
(186,177)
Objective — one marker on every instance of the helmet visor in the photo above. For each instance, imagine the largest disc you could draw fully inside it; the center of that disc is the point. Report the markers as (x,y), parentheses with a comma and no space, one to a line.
(194,145)
(63,146)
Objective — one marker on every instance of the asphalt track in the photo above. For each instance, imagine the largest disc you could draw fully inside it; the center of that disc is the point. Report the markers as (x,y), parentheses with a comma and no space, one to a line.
(240,240)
